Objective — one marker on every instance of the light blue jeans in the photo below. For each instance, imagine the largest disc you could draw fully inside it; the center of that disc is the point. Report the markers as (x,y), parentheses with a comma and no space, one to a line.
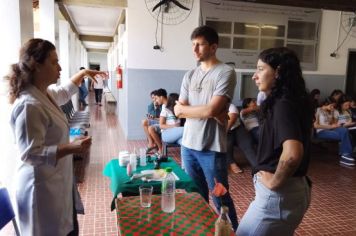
(341,134)
(276,212)
(173,135)
(203,167)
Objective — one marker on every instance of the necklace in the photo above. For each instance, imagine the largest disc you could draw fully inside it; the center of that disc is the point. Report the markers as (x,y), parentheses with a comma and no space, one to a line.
(200,76)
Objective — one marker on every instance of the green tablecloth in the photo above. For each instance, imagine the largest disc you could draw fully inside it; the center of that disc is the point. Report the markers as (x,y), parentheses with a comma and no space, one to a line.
(119,179)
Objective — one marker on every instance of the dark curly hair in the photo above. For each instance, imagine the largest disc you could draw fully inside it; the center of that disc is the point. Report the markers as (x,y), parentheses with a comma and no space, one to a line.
(289,84)
(21,73)
(172,98)
(207,32)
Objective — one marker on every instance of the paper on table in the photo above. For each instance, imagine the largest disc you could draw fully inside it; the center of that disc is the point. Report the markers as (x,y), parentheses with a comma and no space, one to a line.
(158,175)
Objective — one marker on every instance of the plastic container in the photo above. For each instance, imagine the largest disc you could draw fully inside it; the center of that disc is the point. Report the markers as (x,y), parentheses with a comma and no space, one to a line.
(133,161)
(75,133)
(124,158)
(142,154)
(168,202)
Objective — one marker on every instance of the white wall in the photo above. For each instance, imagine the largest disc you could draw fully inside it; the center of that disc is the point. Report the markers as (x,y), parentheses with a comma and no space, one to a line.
(146,69)
(329,35)
(141,27)
(98,58)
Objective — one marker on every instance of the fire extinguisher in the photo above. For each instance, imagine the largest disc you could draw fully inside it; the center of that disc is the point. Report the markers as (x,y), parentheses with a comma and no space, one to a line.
(119,77)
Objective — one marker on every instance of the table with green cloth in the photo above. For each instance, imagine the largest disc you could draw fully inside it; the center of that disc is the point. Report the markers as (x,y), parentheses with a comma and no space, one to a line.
(192,216)
(120,181)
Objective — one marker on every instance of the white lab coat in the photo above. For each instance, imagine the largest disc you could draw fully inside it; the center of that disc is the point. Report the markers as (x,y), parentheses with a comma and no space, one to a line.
(44,186)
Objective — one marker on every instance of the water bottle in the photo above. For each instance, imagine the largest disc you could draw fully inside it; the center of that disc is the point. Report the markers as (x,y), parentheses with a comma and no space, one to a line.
(143,157)
(168,204)
(133,161)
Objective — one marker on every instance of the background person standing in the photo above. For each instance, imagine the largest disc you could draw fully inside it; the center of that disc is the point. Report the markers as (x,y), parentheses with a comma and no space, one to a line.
(83,92)
(98,86)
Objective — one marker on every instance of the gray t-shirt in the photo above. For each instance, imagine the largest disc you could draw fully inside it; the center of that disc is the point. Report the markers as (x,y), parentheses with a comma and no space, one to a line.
(198,88)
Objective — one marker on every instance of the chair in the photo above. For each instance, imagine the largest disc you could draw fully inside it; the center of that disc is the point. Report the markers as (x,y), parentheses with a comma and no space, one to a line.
(165,147)
(6,211)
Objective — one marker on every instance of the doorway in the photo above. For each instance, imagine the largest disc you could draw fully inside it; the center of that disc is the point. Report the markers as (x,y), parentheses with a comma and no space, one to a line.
(351,74)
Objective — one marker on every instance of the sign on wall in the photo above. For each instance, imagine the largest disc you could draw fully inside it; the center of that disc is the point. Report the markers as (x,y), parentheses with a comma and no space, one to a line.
(245,29)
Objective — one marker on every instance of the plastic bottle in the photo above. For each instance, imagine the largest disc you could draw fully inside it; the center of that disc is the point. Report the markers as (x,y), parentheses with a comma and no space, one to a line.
(133,161)
(143,158)
(128,169)
(168,203)
(223,226)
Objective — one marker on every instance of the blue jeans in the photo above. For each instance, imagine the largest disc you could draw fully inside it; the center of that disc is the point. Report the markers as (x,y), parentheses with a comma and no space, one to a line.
(255,132)
(276,212)
(83,92)
(341,134)
(173,135)
(203,167)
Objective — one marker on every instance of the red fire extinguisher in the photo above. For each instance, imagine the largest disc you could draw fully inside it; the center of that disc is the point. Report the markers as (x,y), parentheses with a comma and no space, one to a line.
(119,77)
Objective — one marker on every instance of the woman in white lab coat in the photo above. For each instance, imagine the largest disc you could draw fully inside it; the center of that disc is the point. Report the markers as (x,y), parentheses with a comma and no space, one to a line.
(46,194)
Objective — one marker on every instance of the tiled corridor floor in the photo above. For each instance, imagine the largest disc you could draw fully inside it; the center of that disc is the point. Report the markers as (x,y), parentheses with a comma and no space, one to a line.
(332,211)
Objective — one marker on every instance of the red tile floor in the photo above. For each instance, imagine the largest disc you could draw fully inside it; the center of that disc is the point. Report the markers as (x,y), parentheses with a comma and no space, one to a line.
(332,211)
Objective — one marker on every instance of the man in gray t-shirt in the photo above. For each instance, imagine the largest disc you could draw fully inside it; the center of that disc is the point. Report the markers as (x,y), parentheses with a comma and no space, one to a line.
(204,99)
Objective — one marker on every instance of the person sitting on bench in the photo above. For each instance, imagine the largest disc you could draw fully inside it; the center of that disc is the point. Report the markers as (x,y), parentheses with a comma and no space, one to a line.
(171,131)
(327,127)
(153,112)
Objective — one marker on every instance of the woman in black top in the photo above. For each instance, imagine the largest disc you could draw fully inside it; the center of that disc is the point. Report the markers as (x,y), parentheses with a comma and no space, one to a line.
(282,189)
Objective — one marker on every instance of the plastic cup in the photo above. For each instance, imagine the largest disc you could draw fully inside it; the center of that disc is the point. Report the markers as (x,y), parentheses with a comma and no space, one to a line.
(146,195)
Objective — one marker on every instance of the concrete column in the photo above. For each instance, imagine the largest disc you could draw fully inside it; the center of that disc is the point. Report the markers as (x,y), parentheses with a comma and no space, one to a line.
(16,23)
(49,21)
(63,53)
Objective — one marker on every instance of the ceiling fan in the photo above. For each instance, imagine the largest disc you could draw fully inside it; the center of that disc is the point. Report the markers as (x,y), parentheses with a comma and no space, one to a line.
(167,3)
(169,12)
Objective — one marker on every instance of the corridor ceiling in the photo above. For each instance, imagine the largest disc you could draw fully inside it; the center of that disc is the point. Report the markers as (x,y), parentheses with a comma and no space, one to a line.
(96,21)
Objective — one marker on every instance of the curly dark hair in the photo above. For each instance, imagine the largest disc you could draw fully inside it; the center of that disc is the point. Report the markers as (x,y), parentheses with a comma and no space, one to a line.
(289,84)
(21,73)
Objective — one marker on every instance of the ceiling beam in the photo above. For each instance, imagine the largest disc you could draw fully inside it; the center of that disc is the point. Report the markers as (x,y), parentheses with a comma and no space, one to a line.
(338,5)
(66,15)
(96,3)
(97,50)
(96,38)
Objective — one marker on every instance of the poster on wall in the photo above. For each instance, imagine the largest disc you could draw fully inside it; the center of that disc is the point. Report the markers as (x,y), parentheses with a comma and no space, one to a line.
(245,29)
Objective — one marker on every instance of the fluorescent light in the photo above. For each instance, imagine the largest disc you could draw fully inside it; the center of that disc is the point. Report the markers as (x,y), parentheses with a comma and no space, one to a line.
(269,27)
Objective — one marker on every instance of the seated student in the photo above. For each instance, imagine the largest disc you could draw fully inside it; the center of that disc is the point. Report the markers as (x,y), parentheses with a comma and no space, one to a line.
(249,117)
(344,116)
(327,127)
(153,111)
(232,125)
(336,95)
(353,109)
(315,96)
(154,131)
(170,126)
